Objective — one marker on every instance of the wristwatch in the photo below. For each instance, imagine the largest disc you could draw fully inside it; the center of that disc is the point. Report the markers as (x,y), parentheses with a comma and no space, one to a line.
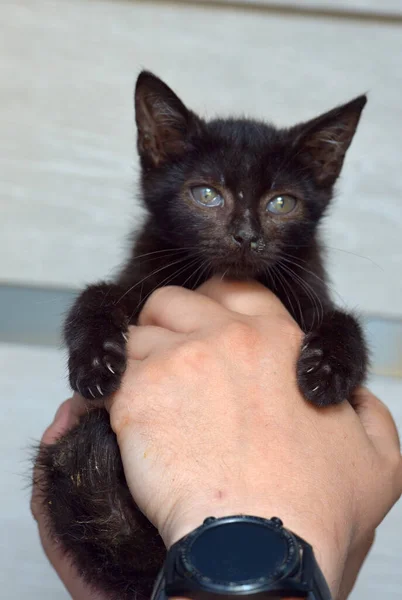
(241,556)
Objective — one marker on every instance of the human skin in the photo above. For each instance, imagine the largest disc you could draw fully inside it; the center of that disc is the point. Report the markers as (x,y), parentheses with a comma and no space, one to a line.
(210,421)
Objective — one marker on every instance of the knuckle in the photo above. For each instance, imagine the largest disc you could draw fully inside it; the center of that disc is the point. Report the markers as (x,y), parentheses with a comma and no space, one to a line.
(241,335)
(193,354)
(151,370)
(159,299)
(165,291)
(159,295)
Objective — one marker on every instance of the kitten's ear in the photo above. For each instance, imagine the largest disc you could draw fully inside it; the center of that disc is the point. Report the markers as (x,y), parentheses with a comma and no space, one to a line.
(322,143)
(164,124)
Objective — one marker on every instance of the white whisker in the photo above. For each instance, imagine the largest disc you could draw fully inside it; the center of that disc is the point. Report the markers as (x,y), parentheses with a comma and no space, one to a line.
(203,274)
(163,251)
(358,255)
(180,260)
(170,278)
(296,297)
(309,290)
(283,282)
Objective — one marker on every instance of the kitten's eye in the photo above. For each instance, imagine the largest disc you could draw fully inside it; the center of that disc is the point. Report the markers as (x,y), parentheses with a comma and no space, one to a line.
(206,196)
(281,205)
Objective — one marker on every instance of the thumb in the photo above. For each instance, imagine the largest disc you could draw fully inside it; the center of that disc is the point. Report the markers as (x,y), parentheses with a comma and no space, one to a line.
(381,430)
(377,421)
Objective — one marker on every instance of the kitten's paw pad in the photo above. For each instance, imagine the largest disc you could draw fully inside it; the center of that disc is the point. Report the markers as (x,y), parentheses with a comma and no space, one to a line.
(322,377)
(96,373)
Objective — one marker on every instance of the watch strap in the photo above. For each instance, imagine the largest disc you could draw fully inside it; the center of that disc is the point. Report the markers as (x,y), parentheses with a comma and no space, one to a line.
(320,586)
(158,591)
(319,589)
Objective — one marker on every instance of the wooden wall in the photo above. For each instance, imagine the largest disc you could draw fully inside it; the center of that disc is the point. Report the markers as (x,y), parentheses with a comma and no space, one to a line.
(68,171)
(67,160)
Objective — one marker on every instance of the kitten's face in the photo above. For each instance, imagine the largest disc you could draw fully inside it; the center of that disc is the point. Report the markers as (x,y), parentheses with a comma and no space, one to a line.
(241,194)
(237,197)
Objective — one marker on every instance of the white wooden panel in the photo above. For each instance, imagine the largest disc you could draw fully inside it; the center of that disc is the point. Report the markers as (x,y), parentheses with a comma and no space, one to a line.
(67,144)
(30,406)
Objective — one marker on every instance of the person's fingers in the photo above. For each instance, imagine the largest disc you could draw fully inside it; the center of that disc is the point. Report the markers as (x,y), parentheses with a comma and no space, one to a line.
(380,427)
(178,309)
(244,297)
(376,420)
(146,339)
(66,417)
(184,311)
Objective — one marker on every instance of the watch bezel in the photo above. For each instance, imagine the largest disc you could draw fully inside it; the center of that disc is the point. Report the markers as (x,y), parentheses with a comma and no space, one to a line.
(288,566)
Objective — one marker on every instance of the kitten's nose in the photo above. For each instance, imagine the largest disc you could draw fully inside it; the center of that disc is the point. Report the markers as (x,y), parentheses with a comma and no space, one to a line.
(245,238)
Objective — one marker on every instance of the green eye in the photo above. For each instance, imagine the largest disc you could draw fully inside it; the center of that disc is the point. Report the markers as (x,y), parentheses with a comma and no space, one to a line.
(206,196)
(281,205)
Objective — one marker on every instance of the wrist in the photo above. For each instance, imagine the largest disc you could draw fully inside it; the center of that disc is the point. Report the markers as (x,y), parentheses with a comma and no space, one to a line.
(330,552)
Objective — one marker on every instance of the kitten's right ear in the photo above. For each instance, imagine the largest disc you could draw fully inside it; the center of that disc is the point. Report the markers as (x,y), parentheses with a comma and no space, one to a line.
(164,124)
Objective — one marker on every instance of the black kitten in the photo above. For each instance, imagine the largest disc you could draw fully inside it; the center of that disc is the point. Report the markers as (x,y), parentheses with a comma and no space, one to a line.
(234,197)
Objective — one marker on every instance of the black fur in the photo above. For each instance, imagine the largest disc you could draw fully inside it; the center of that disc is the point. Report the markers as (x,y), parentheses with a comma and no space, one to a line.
(248,163)
(91,512)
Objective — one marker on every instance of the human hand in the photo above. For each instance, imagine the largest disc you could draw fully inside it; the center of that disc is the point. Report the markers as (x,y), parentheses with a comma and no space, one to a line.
(210,421)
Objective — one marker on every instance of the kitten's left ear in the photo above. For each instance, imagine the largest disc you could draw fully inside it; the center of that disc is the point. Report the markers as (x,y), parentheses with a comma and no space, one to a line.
(164,124)
(322,143)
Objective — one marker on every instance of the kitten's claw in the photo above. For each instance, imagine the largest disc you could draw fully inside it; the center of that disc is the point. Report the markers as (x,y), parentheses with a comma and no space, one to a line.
(324,369)
(125,336)
(97,372)
(108,366)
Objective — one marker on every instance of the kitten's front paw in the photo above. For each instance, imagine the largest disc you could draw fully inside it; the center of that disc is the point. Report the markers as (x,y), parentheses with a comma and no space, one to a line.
(323,374)
(97,365)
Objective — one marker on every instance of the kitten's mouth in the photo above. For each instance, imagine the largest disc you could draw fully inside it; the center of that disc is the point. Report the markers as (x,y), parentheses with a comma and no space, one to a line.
(240,263)
(243,268)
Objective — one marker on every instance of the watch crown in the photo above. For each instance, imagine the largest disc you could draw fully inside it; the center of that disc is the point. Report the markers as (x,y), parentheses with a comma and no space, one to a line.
(276,522)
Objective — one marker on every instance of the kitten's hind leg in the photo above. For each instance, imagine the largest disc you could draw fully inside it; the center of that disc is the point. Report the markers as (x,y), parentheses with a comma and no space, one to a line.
(96,332)
(91,513)
(333,360)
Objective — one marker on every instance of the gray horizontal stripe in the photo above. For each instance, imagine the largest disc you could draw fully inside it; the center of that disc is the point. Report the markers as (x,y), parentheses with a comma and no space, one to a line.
(34,316)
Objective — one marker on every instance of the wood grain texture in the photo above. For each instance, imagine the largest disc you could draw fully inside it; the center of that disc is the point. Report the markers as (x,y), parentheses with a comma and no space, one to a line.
(67,183)
(31,402)
(67,172)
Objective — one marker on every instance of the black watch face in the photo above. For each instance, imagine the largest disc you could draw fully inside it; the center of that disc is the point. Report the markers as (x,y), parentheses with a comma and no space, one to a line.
(239,553)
